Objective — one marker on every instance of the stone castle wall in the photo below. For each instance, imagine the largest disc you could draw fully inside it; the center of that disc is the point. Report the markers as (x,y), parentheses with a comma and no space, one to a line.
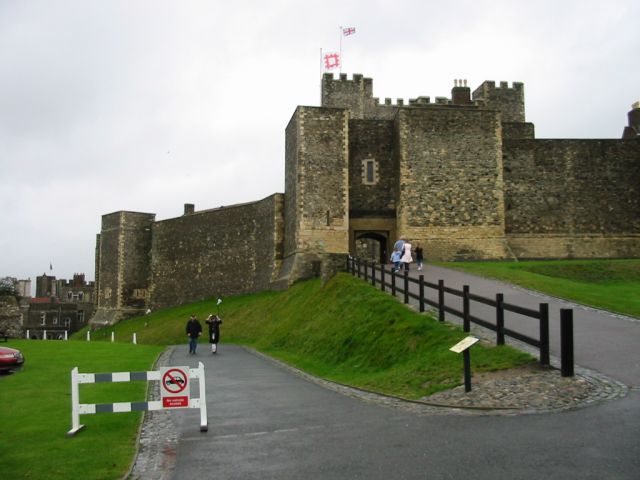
(450,181)
(215,253)
(573,198)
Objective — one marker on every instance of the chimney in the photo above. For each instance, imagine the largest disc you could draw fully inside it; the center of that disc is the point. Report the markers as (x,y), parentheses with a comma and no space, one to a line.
(189,208)
(460,94)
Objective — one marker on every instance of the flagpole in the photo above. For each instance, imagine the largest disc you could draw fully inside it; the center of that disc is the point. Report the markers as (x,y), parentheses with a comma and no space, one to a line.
(340,33)
(320,75)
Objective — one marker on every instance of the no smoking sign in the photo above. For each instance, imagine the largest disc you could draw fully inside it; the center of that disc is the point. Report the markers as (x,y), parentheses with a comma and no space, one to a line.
(174,387)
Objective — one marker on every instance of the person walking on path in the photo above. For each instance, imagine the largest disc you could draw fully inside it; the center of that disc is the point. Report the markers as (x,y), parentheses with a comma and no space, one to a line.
(399,245)
(194,329)
(406,255)
(395,259)
(214,322)
(419,256)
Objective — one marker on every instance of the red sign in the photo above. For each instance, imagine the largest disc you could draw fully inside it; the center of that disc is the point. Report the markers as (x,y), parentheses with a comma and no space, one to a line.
(175,402)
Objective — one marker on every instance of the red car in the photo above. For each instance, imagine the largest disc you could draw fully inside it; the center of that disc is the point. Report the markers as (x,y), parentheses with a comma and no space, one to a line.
(10,359)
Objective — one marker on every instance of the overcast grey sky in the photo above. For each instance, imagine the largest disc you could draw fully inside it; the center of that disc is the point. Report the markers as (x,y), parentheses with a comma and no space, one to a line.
(147,105)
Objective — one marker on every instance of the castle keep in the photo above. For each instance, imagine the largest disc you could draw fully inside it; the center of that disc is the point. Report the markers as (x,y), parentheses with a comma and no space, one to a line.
(464,176)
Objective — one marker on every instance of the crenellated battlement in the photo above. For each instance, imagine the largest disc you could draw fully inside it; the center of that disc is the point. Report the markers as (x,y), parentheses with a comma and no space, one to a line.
(488,85)
(509,100)
(356,94)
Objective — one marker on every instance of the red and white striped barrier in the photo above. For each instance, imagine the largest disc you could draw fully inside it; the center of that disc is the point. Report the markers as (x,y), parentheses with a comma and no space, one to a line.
(175,393)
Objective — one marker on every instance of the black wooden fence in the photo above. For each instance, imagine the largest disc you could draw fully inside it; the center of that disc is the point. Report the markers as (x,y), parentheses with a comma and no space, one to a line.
(399,283)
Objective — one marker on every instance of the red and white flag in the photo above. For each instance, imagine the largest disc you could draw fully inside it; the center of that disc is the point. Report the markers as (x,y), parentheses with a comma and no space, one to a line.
(346,31)
(331,61)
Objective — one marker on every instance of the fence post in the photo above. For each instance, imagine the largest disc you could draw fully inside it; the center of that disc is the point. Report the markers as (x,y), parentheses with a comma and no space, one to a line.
(544,334)
(382,279)
(441,300)
(88,335)
(393,283)
(75,403)
(204,423)
(566,342)
(348,258)
(373,273)
(44,335)
(353,267)
(466,322)
(421,293)
(500,318)
(366,271)
(358,262)
(406,286)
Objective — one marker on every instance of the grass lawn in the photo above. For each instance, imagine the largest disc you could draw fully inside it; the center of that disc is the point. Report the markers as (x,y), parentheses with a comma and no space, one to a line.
(609,284)
(36,411)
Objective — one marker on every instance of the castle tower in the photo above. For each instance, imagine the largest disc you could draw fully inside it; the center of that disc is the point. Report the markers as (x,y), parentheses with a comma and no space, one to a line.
(633,130)
(316,208)
(509,101)
(356,95)
(122,265)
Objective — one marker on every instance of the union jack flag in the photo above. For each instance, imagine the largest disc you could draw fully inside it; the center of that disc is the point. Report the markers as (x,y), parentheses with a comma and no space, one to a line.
(348,31)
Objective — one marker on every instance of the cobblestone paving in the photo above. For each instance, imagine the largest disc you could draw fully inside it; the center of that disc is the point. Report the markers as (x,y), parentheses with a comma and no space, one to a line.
(158,439)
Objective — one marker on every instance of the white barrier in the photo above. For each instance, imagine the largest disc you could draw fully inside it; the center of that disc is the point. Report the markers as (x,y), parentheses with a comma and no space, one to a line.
(78,408)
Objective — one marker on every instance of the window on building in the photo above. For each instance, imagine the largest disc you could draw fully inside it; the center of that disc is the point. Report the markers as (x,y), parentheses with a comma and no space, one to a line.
(55,320)
(369,171)
(80,295)
(69,295)
(67,322)
(81,316)
(43,318)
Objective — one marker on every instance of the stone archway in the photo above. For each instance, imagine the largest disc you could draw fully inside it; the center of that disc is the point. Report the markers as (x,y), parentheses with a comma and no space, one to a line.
(372,246)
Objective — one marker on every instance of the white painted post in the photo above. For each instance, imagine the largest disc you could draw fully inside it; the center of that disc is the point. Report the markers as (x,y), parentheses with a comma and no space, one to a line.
(75,404)
(88,336)
(44,335)
(134,338)
(66,335)
(113,337)
(203,399)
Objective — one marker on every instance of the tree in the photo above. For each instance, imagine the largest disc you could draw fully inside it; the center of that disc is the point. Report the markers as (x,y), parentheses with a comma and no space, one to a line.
(8,287)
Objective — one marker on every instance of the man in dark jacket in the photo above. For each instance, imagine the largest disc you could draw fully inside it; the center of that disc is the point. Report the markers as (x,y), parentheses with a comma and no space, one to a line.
(194,329)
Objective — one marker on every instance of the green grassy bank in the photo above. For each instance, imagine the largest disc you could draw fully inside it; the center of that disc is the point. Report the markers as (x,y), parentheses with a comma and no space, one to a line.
(613,285)
(346,331)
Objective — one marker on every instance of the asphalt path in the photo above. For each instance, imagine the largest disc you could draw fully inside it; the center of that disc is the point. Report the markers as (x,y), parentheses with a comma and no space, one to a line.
(268,423)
